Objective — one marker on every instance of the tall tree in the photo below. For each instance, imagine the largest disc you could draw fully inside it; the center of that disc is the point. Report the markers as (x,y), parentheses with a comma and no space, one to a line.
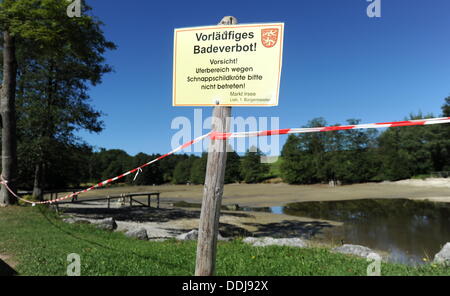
(182,171)
(198,169)
(150,175)
(8,119)
(441,149)
(60,58)
(304,156)
(252,170)
(7,105)
(233,168)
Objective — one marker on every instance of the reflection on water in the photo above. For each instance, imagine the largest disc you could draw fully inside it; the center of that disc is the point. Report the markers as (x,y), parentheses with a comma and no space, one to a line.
(408,230)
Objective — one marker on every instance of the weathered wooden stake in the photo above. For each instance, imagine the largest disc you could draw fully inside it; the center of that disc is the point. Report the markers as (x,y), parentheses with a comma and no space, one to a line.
(213,189)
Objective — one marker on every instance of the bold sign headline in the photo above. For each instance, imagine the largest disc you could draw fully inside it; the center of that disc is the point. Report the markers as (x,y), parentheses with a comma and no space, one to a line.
(226,35)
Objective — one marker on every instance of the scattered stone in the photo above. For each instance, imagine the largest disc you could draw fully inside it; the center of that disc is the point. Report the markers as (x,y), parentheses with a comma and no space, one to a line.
(443,257)
(357,250)
(69,220)
(270,241)
(107,224)
(139,233)
(221,238)
(191,235)
(234,207)
(74,220)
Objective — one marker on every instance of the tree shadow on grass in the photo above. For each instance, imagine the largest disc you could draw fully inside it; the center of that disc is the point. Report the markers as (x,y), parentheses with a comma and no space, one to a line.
(290,229)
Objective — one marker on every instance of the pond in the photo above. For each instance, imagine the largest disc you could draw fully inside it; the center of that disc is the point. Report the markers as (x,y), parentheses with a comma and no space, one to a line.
(408,230)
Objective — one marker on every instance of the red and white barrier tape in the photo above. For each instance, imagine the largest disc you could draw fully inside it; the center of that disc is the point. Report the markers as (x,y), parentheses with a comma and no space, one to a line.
(101,184)
(225,136)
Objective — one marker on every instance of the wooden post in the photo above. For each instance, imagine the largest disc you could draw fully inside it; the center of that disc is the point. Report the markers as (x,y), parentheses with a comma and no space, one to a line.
(157,200)
(149,200)
(213,189)
(109,201)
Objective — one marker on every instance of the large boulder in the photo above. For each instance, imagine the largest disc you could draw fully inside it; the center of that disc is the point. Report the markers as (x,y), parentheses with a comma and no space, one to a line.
(139,233)
(270,241)
(443,257)
(106,224)
(357,250)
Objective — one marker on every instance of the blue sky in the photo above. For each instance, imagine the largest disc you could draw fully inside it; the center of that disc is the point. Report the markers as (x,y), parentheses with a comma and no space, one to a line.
(337,63)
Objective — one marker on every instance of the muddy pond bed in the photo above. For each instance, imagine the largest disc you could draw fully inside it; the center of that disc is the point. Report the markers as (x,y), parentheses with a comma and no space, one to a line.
(412,232)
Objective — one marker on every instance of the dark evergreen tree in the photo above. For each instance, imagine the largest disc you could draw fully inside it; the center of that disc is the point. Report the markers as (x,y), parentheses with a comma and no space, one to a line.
(182,171)
(233,169)
(252,170)
(198,169)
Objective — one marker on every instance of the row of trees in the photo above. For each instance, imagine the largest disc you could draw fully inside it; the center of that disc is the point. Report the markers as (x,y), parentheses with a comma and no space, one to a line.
(248,169)
(352,156)
(86,166)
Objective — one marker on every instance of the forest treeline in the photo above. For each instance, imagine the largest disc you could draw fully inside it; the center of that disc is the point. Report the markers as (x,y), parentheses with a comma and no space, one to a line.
(349,156)
(80,165)
(364,155)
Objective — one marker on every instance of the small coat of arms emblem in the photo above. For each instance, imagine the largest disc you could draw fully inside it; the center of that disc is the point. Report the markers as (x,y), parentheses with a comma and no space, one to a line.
(269,37)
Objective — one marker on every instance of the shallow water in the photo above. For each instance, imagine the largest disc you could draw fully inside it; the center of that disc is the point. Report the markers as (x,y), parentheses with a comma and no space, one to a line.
(408,230)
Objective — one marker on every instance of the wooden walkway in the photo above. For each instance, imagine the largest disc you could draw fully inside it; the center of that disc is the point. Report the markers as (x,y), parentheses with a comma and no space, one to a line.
(124,198)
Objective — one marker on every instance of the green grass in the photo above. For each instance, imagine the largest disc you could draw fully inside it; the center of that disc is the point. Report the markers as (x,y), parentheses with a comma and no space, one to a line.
(40,242)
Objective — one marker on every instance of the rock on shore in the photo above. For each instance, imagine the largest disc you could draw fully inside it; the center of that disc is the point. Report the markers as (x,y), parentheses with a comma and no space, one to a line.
(356,250)
(139,233)
(270,241)
(443,257)
(193,235)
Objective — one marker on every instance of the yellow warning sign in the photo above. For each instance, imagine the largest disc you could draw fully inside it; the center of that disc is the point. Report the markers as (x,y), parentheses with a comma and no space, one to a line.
(236,65)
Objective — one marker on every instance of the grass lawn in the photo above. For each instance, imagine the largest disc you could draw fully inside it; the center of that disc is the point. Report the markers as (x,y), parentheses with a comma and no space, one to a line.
(39,242)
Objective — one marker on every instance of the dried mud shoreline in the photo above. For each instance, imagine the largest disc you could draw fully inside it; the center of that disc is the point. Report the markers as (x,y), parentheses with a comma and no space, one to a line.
(170,221)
